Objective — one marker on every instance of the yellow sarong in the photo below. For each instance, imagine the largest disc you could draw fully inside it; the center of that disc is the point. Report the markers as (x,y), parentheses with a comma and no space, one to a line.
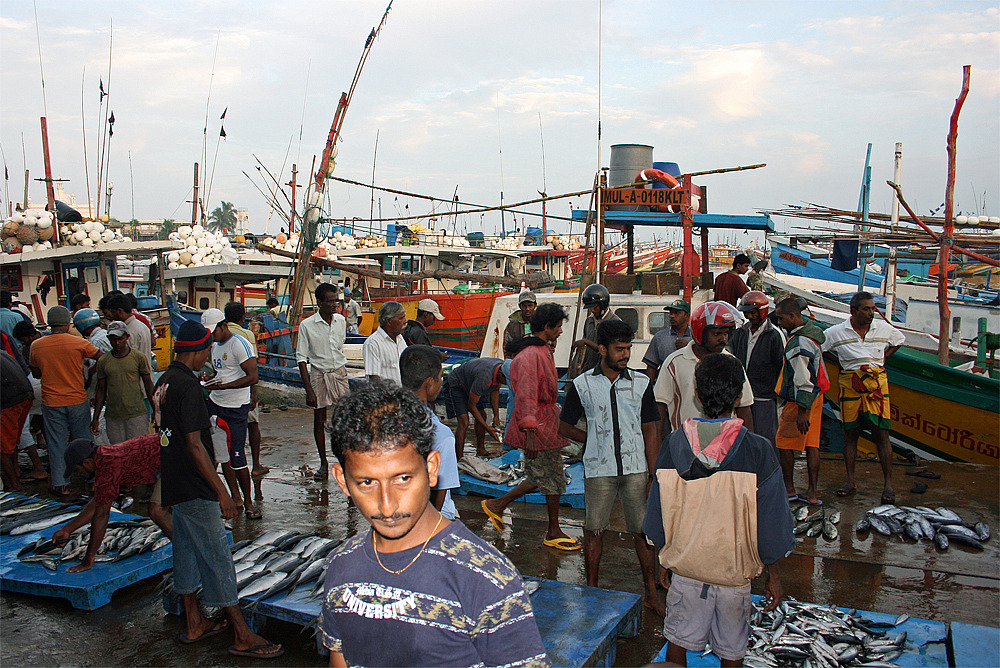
(864,395)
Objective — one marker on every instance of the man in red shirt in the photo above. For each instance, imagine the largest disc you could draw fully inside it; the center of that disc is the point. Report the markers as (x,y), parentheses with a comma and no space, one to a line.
(126,464)
(729,286)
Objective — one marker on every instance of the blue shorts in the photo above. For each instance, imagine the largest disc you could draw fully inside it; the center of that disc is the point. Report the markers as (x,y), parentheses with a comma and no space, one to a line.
(236,420)
(201,553)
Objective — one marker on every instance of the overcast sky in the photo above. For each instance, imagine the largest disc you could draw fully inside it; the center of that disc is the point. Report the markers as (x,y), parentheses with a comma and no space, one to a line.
(801,86)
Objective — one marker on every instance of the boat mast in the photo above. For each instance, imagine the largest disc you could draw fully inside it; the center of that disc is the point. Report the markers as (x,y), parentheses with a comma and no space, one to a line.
(944,337)
(310,217)
(866,186)
(890,278)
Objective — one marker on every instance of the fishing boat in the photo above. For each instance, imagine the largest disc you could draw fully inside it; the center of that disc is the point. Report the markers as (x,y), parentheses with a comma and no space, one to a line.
(791,256)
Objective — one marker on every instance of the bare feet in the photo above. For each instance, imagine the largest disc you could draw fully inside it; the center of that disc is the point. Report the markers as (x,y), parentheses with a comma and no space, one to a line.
(846,490)
(259,471)
(654,603)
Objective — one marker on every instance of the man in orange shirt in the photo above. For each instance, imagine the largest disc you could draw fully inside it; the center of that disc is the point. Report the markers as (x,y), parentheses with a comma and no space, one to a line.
(57,359)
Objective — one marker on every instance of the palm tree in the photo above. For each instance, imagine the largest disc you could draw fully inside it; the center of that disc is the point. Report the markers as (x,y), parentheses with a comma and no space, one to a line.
(166,228)
(223,218)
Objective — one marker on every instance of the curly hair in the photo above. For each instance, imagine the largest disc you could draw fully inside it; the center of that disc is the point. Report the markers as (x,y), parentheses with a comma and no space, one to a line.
(379,416)
(719,381)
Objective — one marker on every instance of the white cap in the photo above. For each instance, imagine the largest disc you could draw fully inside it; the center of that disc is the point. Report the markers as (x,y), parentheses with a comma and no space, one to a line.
(211,318)
(430,306)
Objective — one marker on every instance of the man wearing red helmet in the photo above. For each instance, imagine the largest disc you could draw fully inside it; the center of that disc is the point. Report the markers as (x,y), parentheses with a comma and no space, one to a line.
(711,325)
(760,346)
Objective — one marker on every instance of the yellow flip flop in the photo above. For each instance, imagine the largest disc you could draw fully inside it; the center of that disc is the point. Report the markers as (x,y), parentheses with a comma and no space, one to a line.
(496,519)
(565,544)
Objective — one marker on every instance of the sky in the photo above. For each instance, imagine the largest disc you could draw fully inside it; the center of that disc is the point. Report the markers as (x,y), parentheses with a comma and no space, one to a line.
(490,97)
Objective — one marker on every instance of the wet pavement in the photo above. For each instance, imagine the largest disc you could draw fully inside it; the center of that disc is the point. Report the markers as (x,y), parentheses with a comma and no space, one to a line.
(867,571)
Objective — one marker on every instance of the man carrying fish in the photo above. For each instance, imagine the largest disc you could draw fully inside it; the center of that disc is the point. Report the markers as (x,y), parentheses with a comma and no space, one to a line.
(196,494)
(861,345)
(717,511)
(417,589)
(113,467)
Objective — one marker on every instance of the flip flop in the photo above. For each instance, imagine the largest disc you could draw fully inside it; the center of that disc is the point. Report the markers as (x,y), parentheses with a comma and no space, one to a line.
(819,502)
(564,544)
(496,519)
(888,499)
(184,640)
(34,478)
(64,494)
(257,651)
(846,491)
(254,514)
(922,473)
(794,497)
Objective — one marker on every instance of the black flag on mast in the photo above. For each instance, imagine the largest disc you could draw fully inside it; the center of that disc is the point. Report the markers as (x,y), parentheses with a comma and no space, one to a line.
(103,94)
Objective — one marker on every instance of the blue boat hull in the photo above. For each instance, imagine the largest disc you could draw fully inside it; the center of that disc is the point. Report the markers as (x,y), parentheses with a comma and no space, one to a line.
(788,260)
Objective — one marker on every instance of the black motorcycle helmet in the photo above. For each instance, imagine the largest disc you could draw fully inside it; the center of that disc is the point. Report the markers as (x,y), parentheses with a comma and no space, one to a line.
(596,295)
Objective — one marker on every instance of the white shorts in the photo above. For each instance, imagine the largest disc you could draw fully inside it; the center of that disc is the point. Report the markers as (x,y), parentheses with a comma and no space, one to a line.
(329,385)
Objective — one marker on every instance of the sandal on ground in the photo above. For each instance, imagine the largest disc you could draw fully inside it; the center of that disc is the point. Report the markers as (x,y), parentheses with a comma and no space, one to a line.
(888,499)
(221,627)
(922,473)
(267,650)
(564,543)
(846,491)
(496,519)
(254,514)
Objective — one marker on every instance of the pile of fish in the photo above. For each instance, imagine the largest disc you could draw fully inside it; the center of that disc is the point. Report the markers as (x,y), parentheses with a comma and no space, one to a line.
(817,523)
(280,561)
(25,514)
(819,636)
(940,525)
(124,539)
(515,472)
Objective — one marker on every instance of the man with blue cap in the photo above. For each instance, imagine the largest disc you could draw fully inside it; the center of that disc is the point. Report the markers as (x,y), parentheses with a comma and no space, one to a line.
(88,323)
(196,494)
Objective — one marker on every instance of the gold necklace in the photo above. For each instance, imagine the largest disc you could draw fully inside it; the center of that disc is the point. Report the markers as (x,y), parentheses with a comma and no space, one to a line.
(389,570)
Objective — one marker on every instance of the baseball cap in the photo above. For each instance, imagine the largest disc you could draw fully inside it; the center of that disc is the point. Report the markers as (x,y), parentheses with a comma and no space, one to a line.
(211,318)
(77,451)
(678,305)
(86,318)
(430,306)
(58,316)
(117,328)
(527,296)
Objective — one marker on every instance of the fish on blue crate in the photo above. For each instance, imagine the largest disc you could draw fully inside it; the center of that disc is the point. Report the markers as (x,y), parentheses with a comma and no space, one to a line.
(799,633)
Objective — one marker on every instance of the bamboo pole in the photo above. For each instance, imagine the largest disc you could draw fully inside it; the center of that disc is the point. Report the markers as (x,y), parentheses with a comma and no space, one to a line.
(949,223)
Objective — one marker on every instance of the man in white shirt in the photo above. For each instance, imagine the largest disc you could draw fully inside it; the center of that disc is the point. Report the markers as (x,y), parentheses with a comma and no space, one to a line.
(861,345)
(352,311)
(674,391)
(119,308)
(321,347)
(235,364)
(381,350)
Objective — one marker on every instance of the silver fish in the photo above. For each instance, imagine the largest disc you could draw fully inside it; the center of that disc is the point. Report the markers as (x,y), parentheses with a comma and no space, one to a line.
(43,524)
(942,541)
(261,584)
(983,531)
(835,517)
(801,513)
(829,530)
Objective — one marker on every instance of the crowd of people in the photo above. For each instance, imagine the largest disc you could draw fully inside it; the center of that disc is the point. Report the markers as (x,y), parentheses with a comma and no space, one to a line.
(698,448)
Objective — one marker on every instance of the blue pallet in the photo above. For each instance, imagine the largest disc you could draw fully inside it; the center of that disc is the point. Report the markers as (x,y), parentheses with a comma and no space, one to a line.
(579,625)
(88,590)
(975,645)
(573,495)
(925,642)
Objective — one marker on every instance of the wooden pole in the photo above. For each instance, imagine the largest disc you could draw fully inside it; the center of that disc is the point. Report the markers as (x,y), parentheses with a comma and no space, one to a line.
(294,185)
(50,189)
(949,224)
(161,266)
(688,266)
(890,279)
(194,200)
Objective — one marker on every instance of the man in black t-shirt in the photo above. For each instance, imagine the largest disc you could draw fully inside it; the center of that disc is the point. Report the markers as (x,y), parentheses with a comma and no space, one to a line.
(196,494)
